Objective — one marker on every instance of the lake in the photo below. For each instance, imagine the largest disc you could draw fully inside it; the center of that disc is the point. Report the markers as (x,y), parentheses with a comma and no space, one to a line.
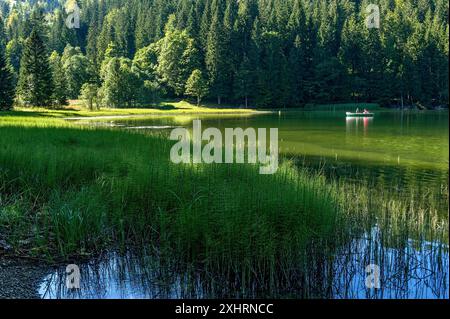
(397,156)
(389,142)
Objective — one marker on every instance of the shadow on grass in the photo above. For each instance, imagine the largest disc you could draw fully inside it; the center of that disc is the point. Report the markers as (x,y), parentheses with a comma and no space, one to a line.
(54,113)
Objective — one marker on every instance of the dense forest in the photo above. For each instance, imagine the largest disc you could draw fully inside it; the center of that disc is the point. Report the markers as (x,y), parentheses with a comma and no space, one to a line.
(258,53)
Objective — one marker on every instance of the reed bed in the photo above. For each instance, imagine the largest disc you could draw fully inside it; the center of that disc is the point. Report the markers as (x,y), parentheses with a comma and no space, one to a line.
(76,191)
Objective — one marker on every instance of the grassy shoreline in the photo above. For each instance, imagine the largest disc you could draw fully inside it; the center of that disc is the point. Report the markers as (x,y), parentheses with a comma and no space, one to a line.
(164,108)
(77,112)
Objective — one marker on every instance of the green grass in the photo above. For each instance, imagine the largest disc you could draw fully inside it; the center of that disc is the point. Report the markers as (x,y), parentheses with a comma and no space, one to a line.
(67,191)
(163,108)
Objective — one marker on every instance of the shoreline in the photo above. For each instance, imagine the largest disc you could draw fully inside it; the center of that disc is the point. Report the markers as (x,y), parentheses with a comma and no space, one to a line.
(20,278)
(128,116)
(182,108)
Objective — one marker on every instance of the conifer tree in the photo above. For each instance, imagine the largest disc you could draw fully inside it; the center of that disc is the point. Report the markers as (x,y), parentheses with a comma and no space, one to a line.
(217,54)
(35,87)
(259,52)
(6,76)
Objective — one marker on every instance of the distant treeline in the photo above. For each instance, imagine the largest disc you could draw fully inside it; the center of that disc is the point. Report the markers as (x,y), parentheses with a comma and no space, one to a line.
(259,53)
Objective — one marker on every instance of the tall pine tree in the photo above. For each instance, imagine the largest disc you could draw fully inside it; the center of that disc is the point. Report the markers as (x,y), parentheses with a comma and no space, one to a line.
(35,86)
(217,54)
(6,76)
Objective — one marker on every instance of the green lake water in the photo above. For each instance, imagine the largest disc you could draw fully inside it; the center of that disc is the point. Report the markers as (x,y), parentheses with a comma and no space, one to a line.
(412,146)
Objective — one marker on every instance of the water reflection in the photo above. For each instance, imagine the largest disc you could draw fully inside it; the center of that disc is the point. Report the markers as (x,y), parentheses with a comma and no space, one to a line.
(415,270)
(117,276)
(409,271)
(358,124)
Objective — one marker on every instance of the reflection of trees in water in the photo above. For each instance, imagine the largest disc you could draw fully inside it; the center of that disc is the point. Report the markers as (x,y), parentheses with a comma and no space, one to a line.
(414,270)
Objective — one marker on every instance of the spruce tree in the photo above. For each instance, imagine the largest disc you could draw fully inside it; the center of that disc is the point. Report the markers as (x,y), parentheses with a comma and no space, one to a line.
(13,54)
(295,73)
(6,82)
(246,59)
(217,54)
(91,46)
(35,86)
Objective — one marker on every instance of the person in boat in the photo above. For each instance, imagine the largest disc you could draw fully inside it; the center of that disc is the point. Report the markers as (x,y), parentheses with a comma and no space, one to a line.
(357,110)
(366,111)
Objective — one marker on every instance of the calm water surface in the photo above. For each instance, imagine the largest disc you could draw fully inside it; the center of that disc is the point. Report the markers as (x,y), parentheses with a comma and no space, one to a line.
(415,144)
(406,150)
(413,272)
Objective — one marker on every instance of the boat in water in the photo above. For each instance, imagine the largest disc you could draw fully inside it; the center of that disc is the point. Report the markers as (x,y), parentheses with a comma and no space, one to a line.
(350,114)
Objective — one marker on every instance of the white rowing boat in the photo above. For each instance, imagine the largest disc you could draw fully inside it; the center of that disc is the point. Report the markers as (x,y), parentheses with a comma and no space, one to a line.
(350,114)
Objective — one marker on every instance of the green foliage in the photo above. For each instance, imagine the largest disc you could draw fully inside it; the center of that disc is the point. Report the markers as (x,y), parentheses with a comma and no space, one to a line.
(145,65)
(121,84)
(59,35)
(59,80)
(177,58)
(89,95)
(283,53)
(146,59)
(77,69)
(6,84)
(330,76)
(218,54)
(197,86)
(14,54)
(110,90)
